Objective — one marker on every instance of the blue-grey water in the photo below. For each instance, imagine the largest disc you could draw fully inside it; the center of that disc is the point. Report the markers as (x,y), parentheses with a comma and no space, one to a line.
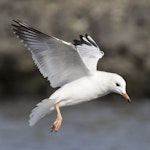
(94,125)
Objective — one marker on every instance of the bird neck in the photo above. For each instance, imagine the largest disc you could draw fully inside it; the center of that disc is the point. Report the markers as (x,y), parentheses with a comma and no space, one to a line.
(104,80)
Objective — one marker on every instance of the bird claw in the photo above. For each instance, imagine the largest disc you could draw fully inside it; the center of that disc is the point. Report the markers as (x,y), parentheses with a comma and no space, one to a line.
(56,125)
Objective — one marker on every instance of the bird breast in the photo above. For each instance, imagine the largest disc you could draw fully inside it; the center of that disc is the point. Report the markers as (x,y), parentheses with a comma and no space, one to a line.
(83,89)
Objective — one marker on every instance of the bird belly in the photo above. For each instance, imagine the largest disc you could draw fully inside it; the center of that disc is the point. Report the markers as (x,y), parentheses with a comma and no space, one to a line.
(78,91)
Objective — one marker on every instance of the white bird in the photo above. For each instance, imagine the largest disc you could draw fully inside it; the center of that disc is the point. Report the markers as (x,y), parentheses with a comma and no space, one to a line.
(72,67)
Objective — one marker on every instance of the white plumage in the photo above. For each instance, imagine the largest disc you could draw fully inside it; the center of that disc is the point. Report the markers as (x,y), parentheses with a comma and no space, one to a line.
(43,108)
(72,67)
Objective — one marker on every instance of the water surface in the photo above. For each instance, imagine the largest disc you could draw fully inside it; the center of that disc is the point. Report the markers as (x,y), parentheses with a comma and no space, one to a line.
(88,126)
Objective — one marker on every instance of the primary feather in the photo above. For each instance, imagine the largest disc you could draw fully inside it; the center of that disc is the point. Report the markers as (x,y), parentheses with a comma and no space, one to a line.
(89,51)
(51,55)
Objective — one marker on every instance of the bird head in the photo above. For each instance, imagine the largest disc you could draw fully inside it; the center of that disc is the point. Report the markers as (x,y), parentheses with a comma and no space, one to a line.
(118,85)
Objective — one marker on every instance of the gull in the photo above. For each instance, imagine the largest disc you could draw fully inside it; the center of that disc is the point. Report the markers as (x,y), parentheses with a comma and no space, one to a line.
(72,68)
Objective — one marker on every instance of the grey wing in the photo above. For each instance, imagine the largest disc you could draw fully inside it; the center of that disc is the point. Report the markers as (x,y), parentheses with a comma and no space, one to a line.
(89,51)
(57,60)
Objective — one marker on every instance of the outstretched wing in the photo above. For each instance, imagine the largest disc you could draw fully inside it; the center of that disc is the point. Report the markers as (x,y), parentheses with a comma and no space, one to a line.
(89,51)
(57,60)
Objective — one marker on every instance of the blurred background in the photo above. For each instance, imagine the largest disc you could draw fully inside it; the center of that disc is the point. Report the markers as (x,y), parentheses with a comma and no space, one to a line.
(122,30)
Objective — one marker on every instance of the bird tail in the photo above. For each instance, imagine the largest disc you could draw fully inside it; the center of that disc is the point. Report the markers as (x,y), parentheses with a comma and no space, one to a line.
(43,108)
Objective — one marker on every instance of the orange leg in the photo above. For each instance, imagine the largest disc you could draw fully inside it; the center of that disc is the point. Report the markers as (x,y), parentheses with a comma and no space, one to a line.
(57,123)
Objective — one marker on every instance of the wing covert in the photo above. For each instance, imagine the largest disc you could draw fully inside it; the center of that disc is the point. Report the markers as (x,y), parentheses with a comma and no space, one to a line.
(89,51)
(57,60)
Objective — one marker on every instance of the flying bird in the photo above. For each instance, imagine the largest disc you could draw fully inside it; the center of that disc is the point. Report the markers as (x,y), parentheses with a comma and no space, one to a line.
(71,67)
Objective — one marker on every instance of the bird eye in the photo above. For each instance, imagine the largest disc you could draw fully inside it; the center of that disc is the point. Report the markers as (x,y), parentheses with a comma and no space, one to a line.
(117,84)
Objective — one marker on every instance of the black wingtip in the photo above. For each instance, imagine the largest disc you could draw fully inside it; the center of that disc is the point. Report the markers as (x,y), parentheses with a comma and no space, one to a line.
(86,35)
(21,29)
(76,42)
(17,21)
(14,25)
(81,41)
(81,36)
(13,22)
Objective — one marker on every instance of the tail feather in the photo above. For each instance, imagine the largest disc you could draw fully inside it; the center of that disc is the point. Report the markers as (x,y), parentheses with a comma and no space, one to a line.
(43,108)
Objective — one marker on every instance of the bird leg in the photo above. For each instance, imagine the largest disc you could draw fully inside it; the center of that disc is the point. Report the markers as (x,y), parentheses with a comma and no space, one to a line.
(57,123)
